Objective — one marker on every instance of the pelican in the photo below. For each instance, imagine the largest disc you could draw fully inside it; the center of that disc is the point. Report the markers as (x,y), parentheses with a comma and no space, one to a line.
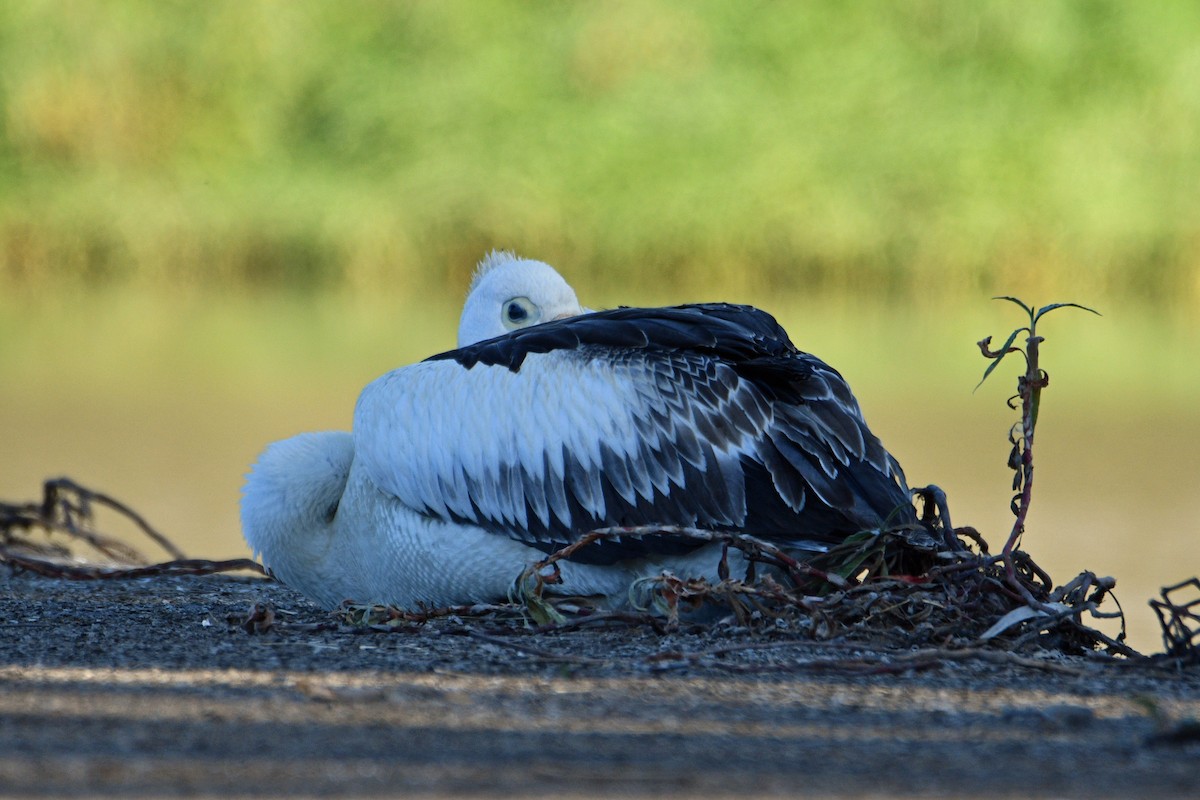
(550,421)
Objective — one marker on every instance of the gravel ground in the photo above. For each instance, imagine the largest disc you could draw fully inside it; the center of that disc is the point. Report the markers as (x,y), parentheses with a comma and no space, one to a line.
(152,687)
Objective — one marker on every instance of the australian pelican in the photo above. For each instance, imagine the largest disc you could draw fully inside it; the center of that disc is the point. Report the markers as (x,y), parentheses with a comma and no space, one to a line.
(465,468)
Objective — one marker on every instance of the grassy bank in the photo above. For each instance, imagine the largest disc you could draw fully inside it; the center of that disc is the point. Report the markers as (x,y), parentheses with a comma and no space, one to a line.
(932,148)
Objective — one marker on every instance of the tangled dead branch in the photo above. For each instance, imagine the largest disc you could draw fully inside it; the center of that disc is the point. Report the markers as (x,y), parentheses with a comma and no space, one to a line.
(877,588)
(37,537)
(1179,618)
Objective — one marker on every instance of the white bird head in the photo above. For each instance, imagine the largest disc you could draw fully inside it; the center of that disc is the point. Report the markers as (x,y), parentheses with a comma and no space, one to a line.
(509,293)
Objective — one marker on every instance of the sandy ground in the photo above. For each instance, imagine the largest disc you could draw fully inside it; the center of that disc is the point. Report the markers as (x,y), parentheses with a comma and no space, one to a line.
(148,688)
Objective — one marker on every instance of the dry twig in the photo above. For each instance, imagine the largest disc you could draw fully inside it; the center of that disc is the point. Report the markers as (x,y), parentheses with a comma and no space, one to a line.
(68,510)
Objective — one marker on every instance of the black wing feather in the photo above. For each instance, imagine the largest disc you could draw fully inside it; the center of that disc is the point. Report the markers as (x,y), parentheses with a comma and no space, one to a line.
(815,474)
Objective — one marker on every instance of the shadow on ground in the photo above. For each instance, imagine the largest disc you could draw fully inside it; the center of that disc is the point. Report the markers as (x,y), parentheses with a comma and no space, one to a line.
(153,687)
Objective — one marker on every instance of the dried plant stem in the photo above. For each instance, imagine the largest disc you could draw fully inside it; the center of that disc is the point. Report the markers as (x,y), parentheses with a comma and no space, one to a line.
(1029,391)
(57,494)
(92,572)
(67,508)
(1030,386)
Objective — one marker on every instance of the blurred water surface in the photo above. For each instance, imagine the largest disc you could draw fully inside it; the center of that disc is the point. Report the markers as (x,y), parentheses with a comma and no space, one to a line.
(164,404)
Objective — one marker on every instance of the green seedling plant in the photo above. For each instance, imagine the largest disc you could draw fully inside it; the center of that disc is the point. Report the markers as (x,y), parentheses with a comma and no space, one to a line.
(1029,397)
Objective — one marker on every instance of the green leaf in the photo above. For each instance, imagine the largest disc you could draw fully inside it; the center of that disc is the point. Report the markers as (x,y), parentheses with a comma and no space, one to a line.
(1028,310)
(1004,350)
(1052,306)
(542,611)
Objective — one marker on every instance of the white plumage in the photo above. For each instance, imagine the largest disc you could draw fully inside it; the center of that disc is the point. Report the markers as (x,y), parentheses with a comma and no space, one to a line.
(509,293)
(465,468)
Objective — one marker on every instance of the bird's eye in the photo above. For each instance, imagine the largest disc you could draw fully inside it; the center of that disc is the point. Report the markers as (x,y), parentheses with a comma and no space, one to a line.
(519,312)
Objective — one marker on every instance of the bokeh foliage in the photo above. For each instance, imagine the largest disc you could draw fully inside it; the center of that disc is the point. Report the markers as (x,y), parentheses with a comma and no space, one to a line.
(897,149)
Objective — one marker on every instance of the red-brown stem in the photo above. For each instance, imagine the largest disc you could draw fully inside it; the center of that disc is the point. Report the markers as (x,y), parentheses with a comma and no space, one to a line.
(1030,394)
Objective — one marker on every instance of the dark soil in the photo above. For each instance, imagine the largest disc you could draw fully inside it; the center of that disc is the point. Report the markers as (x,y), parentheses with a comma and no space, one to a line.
(155,687)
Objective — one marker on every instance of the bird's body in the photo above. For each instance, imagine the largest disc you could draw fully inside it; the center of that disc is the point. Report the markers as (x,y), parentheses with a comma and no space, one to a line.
(467,467)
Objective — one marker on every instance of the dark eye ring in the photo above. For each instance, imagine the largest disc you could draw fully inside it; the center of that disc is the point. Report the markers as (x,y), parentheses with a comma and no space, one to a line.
(519,312)
(516,313)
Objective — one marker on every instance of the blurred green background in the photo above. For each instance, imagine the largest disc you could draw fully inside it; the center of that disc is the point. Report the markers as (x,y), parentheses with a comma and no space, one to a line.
(219,220)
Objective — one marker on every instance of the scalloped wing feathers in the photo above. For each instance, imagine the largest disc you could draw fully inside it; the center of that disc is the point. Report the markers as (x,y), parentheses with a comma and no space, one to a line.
(702,416)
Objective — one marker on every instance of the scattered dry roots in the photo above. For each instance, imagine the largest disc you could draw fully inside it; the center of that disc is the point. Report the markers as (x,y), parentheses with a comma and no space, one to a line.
(1179,618)
(893,588)
(877,588)
(36,537)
